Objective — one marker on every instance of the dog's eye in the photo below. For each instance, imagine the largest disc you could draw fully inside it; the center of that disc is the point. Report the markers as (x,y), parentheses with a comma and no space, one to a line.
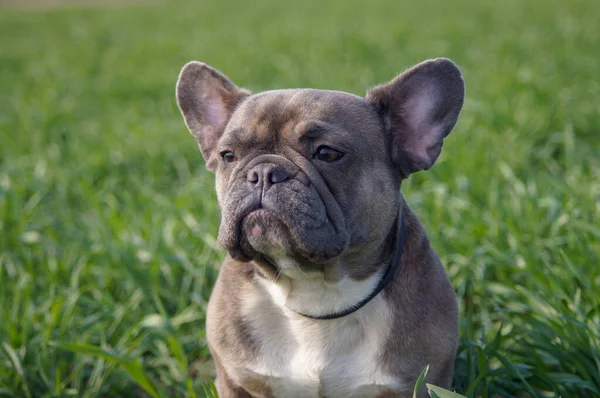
(327,154)
(228,156)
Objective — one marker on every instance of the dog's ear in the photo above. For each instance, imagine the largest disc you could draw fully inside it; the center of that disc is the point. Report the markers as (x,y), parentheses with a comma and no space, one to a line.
(420,107)
(206,99)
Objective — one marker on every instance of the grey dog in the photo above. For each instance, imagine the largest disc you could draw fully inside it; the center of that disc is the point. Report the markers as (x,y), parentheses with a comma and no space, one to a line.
(331,288)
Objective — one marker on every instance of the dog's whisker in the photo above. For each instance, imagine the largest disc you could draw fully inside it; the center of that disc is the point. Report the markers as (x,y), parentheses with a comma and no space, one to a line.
(278,275)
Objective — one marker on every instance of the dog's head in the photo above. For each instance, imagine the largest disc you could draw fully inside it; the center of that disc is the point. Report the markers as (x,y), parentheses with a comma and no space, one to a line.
(313,176)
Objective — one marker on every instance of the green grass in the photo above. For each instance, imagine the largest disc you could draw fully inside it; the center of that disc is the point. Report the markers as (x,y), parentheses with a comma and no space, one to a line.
(108,218)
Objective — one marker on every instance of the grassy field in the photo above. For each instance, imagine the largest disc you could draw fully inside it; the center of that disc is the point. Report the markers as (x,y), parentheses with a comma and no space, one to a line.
(108,218)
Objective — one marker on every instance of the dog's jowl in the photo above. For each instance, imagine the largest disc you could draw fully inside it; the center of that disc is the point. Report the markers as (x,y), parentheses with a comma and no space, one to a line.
(331,288)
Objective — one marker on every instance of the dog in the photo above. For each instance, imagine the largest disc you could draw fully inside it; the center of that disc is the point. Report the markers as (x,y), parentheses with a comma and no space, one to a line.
(331,288)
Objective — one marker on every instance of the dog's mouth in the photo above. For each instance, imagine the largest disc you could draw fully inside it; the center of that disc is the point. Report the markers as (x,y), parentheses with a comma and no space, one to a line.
(265,236)
(251,232)
(265,232)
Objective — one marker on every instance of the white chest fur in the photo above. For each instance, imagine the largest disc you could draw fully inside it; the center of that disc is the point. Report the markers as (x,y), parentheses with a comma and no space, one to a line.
(302,357)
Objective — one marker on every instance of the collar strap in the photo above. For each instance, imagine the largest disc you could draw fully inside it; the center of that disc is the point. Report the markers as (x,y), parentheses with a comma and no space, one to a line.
(389,275)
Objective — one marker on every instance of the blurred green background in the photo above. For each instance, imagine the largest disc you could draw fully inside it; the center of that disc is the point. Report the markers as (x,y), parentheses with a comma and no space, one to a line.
(108,218)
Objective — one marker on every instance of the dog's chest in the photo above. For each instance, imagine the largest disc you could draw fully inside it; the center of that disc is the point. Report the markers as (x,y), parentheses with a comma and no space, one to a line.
(332,358)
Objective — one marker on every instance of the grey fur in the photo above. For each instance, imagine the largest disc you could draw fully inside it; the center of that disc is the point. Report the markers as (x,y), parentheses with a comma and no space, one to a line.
(337,219)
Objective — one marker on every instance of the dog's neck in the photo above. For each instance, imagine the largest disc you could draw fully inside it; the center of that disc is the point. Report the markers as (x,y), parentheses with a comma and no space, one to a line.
(311,295)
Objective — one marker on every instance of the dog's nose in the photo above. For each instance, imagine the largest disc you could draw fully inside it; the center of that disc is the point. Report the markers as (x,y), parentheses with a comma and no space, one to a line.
(267,174)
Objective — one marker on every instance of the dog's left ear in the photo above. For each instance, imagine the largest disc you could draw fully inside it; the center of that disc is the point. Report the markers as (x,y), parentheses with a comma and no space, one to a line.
(420,108)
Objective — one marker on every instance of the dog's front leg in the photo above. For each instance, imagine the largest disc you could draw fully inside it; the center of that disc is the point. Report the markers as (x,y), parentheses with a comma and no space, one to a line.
(227,390)
(226,387)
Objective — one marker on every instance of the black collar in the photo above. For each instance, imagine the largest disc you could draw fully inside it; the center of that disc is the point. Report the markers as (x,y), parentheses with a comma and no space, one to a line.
(380,286)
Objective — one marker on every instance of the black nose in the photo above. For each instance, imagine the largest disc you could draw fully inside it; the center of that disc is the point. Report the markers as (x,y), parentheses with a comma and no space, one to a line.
(267,174)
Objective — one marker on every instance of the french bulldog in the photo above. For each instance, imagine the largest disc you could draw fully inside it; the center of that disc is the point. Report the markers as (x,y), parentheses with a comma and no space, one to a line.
(331,288)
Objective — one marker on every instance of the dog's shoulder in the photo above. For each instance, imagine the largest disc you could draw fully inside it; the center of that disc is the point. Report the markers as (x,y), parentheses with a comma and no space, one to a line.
(421,298)
(226,325)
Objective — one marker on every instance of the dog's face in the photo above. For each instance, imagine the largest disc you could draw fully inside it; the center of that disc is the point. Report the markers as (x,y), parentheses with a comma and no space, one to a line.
(291,165)
(309,178)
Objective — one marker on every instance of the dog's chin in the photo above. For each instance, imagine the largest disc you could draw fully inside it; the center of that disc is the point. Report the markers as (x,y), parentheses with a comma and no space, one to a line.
(264,236)
(260,233)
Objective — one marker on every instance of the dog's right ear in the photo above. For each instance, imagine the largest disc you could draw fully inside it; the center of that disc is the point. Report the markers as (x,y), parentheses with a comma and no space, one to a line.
(206,99)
